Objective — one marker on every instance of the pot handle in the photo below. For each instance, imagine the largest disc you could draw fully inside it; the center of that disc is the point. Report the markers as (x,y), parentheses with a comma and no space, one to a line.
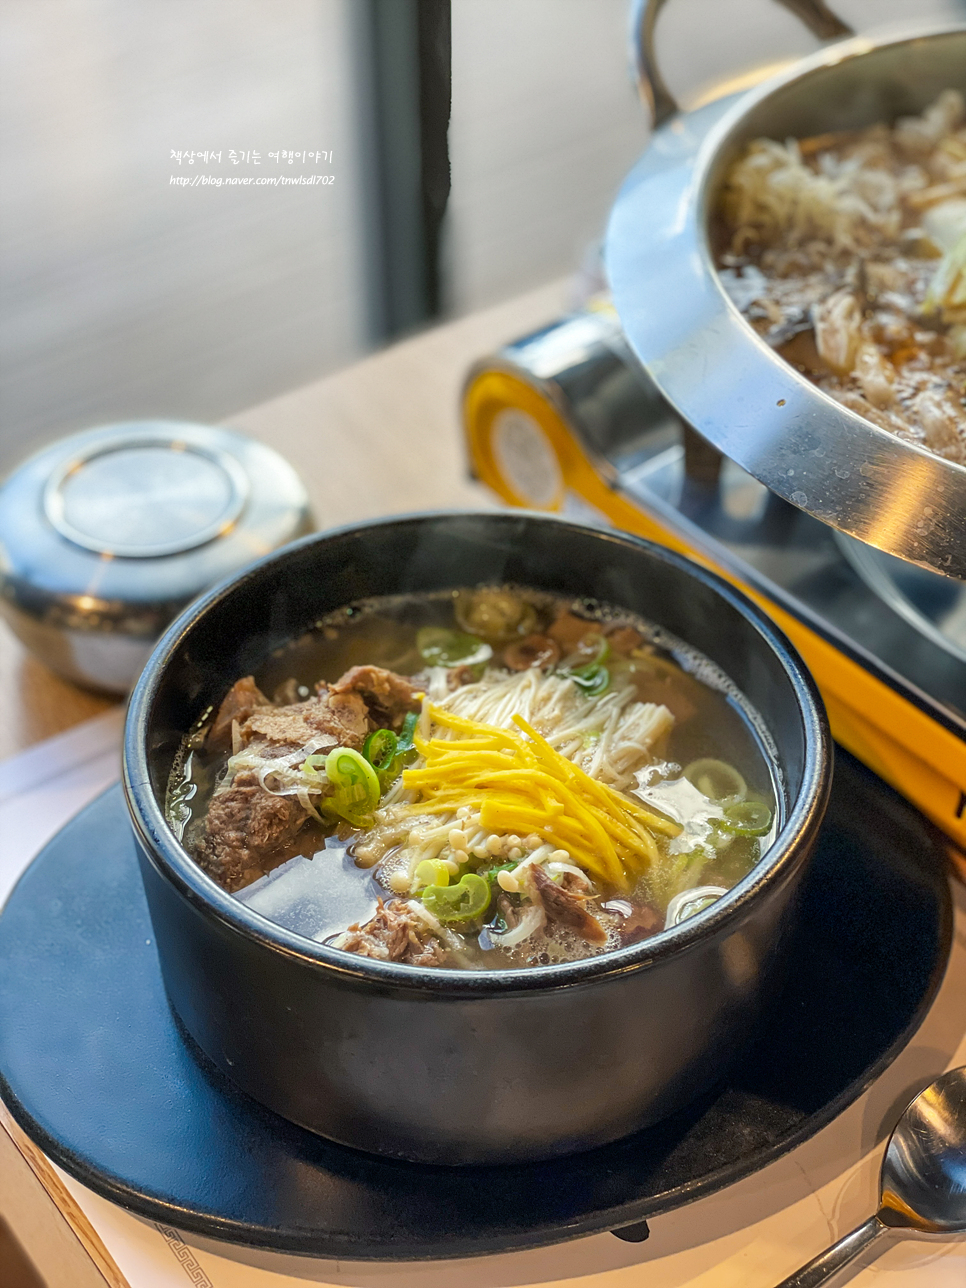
(815,14)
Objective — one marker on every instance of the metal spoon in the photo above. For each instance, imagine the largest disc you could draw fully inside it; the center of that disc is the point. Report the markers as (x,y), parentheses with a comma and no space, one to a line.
(923,1182)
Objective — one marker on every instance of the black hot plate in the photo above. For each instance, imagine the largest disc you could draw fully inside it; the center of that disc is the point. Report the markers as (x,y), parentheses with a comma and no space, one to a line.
(97,1072)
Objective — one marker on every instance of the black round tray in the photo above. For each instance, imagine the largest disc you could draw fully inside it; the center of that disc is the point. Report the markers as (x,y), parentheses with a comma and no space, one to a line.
(95,1069)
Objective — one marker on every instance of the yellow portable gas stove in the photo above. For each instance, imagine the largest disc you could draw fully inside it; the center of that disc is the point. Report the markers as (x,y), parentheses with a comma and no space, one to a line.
(852,540)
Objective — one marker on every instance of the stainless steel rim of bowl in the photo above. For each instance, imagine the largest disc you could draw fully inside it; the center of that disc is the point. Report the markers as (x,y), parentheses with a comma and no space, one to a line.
(711,365)
(204,893)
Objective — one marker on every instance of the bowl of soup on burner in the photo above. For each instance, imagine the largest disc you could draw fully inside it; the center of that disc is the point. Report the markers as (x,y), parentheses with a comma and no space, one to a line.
(473,838)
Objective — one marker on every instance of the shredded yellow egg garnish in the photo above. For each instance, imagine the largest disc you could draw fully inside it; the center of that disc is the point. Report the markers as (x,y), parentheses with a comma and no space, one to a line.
(521,784)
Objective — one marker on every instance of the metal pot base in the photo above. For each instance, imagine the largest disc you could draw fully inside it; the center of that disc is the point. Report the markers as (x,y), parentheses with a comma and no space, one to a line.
(95,1069)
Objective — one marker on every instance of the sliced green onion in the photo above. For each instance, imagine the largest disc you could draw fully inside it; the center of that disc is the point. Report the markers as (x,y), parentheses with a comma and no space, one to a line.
(491,874)
(595,648)
(380,749)
(690,903)
(591,650)
(592,680)
(390,766)
(441,647)
(717,780)
(469,898)
(719,835)
(407,733)
(346,770)
(432,872)
(356,785)
(746,818)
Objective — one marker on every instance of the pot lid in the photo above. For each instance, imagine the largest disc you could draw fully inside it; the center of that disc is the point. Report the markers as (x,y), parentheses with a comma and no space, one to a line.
(142,496)
(707,360)
(132,521)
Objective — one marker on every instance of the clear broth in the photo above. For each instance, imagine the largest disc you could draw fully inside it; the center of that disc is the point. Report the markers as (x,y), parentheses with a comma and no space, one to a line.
(316,889)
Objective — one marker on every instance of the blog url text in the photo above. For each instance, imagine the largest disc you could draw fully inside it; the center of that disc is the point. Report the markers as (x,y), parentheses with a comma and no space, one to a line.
(239,181)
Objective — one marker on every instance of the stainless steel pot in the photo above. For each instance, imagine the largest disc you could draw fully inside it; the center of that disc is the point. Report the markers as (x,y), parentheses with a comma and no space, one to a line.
(447,1066)
(702,354)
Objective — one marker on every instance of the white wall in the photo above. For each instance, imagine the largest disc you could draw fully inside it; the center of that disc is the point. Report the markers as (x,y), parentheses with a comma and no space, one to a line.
(545,124)
(124,296)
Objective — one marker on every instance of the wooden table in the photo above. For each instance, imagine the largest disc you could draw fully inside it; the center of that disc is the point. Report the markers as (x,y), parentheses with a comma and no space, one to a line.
(380,437)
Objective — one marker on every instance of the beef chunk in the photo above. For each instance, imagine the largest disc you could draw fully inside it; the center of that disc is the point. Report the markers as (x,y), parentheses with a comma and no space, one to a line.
(457,676)
(245,826)
(641,924)
(389,696)
(567,630)
(567,907)
(239,702)
(507,910)
(341,716)
(533,650)
(287,693)
(624,638)
(395,934)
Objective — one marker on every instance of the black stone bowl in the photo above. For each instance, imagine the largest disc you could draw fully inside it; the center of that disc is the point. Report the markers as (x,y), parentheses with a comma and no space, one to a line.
(468,1067)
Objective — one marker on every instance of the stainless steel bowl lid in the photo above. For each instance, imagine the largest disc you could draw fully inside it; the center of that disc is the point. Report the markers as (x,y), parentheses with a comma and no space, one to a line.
(707,360)
(140,497)
(129,522)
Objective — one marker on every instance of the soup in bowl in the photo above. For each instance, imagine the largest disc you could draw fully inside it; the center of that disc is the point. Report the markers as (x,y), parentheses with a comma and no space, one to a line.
(478,778)
(473,838)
